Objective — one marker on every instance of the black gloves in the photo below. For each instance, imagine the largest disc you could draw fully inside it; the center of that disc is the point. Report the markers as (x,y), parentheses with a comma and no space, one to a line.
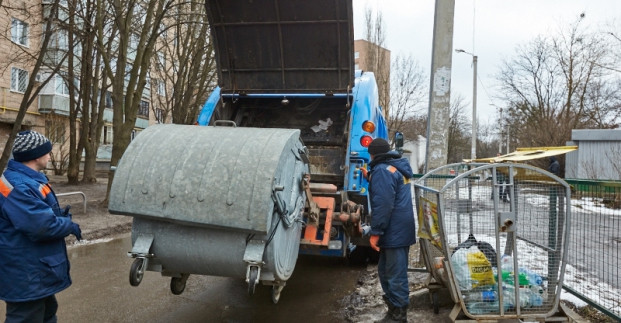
(66,211)
(75,230)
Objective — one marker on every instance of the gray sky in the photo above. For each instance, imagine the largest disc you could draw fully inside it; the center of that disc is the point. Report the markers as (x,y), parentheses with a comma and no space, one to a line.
(491,29)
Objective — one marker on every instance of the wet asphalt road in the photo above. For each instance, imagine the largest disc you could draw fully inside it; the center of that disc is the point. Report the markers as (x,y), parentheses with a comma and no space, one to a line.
(101,292)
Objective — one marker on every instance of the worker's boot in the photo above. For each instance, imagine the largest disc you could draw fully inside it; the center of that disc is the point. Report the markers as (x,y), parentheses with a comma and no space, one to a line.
(391,307)
(391,311)
(400,314)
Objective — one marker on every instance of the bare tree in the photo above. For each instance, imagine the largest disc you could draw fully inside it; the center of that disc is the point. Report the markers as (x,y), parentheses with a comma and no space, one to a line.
(458,138)
(414,126)
(186,71)
(139,26)
(613,157)
(612,35)
(554,85)
(377,59)
(56,132)
(74,40)
(408,92)
(93,90)
(487,140)
(459,130)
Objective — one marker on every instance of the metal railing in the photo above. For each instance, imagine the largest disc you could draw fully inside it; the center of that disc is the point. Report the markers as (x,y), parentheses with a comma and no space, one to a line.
(75,193)
(594,245)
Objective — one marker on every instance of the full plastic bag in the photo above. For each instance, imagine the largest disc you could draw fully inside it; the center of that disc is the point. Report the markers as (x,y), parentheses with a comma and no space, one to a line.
(472,268)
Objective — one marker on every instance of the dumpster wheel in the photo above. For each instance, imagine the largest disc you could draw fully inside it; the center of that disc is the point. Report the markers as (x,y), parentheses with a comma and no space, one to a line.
(177,284)
(253,279)
(276,289)
(136,272)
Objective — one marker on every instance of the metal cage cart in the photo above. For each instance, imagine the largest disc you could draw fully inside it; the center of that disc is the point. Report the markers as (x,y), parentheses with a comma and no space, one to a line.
(495,235)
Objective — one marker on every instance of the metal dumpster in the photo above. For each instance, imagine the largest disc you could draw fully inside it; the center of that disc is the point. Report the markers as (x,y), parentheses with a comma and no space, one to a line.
(221,201)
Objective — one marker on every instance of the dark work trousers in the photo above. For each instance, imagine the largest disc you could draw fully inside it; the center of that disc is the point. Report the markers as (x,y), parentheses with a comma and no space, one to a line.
(41,310)
(392,270)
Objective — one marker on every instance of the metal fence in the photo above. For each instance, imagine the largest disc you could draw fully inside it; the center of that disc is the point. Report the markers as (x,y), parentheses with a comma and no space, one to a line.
(594,245)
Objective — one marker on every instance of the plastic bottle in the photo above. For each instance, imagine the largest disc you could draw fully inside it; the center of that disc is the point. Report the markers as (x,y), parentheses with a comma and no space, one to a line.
(536,299)
(481,296)
(536,289)
(478,308)
(508,278)
(533,277)
(524,297)
(506,262)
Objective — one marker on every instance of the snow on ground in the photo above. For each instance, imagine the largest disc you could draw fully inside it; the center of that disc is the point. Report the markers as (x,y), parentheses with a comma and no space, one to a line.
(84,242)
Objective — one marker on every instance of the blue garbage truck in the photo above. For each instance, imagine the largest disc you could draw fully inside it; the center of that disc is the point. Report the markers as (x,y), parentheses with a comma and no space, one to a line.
(273,169)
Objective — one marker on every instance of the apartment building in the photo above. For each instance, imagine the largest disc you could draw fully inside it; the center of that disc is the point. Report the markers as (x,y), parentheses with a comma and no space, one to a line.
(371,57)
(23,27)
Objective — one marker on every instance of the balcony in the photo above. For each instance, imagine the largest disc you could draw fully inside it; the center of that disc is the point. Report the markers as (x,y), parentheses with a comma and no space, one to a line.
(61,15)
(54,103)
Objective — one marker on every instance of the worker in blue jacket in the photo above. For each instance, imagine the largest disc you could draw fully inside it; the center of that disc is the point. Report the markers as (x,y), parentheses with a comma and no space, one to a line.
(33,256)
(392,225)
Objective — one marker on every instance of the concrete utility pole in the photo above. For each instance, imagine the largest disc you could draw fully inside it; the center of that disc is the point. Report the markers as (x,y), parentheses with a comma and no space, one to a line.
(500,132)
(439,96)
(473,151)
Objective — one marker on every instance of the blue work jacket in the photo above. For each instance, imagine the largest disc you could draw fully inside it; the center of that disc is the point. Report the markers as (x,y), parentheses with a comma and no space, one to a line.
(391,201)
(33,255)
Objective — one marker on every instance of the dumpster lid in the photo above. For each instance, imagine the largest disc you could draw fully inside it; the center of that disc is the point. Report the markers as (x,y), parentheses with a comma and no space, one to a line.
(527,153)
(285,47)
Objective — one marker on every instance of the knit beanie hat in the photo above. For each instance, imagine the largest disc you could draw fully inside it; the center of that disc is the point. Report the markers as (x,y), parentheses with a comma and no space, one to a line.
(379,146)
(30,145)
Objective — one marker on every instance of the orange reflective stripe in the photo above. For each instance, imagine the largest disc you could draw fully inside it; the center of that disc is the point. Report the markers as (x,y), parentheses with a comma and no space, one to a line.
(5,187)
(391,169)
(45,190)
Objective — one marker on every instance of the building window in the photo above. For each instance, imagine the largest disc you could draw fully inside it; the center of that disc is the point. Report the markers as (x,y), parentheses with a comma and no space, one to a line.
(357,55)
(59,39)
(19,79)
(161,87)
(163,31)
(161,60)
(19,32)
(61,85)
(62,3)
(159,115)
(144,109)
(62,39)
(107,135)
(357,67)
(108,99)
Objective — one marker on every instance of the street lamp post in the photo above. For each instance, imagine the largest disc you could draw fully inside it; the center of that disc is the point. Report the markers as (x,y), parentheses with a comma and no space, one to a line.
(473,151)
